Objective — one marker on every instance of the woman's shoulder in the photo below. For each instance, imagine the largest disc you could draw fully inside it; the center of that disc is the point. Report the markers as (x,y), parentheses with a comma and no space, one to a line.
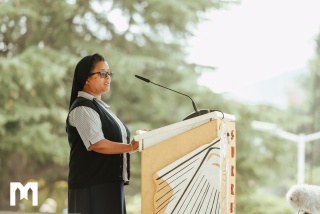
(82,101)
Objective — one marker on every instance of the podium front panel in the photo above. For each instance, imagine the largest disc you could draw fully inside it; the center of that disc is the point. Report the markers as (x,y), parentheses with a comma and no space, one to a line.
(203,143)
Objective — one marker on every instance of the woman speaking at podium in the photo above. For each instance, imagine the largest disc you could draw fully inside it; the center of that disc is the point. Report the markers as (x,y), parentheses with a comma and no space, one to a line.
(99,164)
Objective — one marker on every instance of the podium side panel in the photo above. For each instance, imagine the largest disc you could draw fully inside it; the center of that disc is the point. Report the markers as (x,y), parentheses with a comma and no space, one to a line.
(162,154)
(232,158)
(228,172)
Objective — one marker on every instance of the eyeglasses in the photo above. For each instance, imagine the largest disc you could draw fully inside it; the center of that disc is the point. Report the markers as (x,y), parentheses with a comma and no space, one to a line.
(103,74)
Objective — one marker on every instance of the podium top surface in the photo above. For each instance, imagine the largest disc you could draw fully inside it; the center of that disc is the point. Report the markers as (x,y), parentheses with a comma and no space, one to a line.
(186,123)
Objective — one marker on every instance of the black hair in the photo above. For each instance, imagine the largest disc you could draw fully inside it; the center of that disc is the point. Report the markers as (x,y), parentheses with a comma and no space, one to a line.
(95,59)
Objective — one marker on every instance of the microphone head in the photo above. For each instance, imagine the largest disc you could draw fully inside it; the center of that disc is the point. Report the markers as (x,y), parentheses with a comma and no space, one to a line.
(142,78)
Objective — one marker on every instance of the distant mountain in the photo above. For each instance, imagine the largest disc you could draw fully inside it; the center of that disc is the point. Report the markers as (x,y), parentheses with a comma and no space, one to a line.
(281,91)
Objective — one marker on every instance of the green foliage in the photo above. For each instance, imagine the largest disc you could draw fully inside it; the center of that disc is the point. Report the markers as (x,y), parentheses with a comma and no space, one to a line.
(261,202)
(32,113)
(312,125)
(310,114)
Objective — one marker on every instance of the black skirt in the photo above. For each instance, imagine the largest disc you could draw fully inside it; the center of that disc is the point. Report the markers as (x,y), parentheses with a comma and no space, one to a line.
(100,199)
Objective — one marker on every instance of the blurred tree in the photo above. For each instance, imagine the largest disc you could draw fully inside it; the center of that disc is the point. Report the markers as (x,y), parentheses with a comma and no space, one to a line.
(274,155)
(311,83)
(41,42)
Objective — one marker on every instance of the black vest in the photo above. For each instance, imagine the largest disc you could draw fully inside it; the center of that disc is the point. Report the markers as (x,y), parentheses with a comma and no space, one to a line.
(87,168)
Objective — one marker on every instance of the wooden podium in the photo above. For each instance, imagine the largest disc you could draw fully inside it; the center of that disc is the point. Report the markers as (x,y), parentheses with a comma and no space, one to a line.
(189,166)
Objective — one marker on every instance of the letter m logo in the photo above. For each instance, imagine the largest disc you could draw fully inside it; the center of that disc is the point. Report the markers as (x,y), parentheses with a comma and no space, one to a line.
(23,192)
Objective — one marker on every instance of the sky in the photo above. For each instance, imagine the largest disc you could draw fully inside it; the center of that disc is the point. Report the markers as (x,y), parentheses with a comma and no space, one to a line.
(255,41)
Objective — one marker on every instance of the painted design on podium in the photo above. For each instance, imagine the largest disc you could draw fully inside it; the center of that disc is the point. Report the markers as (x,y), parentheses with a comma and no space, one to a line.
(191,184)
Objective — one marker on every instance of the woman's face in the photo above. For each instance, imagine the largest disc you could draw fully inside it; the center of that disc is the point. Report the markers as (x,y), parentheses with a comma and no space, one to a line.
(95,84)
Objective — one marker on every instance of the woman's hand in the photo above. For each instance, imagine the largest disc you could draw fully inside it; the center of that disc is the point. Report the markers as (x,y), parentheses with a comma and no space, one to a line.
(135,145)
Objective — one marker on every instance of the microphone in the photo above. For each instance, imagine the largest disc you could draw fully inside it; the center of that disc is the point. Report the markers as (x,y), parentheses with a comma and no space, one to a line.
(194,114)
